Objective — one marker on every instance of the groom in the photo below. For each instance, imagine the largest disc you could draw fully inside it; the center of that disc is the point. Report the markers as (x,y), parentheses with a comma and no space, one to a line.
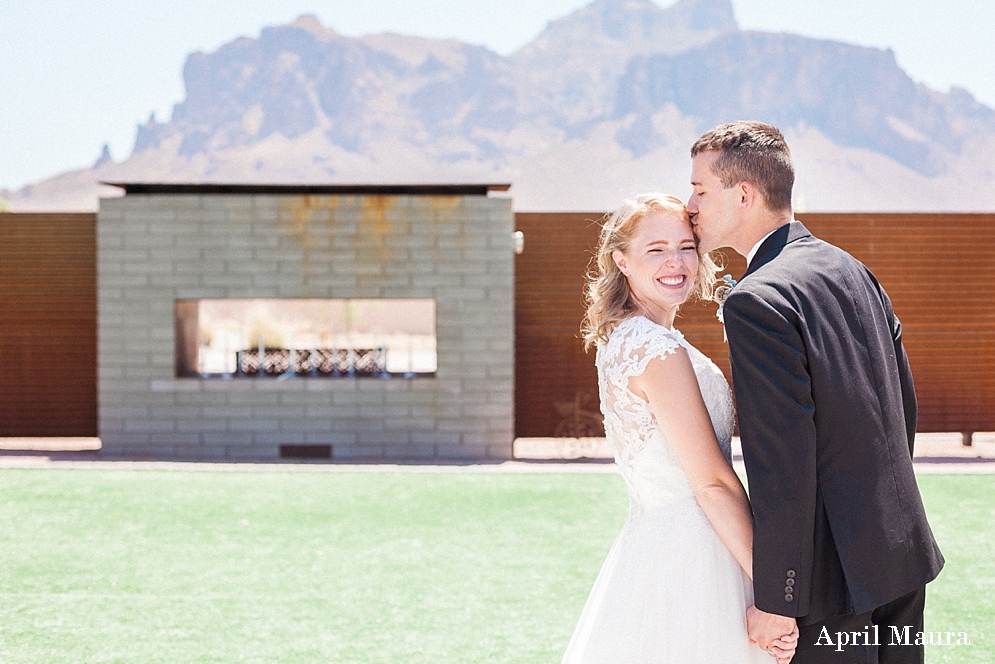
(827,416)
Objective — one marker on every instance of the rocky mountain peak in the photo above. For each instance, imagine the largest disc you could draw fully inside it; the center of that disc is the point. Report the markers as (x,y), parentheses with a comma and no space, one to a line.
(574,64)
(706,14)
(638,26)
(311,24)
(104,158)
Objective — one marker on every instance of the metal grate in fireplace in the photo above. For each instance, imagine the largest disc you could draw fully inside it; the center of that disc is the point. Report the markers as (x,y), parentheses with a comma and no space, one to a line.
(315,362)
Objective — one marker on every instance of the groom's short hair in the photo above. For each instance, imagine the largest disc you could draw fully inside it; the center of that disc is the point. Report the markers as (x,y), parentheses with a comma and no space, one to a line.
(753,152)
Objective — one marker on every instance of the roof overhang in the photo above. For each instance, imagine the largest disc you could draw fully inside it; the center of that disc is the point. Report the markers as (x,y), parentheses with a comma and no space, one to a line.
(453,189)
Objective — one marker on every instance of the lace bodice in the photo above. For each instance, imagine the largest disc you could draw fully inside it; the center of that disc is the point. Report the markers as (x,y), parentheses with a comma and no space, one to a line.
(648,463)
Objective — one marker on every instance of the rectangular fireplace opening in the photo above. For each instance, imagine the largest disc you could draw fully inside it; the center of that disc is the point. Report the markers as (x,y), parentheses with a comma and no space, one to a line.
(306,338)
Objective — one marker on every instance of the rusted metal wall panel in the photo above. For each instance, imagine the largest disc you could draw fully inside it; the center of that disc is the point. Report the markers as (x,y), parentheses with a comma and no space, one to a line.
(553,373)
(937,269)
(48,325)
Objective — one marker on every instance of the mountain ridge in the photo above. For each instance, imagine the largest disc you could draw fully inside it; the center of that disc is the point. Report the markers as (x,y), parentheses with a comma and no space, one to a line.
(620,86)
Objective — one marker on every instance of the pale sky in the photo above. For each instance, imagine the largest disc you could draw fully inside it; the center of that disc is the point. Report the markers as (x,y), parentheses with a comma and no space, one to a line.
(75,75)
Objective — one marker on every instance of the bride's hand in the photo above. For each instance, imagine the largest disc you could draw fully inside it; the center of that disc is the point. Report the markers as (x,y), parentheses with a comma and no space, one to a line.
(784,648)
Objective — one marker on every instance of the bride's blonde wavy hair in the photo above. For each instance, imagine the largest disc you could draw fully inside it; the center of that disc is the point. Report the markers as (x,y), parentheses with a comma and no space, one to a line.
(607,294)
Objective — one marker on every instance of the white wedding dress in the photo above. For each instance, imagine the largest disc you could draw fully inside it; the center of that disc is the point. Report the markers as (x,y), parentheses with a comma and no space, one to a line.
(669,592)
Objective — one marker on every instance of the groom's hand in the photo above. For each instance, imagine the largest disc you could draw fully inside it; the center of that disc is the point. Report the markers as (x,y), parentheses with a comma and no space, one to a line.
(766,628)
(783,649)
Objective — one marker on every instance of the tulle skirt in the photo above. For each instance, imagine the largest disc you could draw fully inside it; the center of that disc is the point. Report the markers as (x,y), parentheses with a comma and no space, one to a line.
(669,592)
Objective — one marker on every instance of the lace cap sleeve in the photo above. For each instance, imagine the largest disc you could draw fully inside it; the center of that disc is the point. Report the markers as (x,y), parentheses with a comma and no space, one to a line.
(633,344)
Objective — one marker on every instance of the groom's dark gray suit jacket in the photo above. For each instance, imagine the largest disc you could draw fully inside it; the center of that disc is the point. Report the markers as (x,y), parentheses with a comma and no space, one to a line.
(827,416)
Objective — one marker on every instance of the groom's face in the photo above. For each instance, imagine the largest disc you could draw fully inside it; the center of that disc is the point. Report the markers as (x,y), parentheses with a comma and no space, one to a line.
(713,207)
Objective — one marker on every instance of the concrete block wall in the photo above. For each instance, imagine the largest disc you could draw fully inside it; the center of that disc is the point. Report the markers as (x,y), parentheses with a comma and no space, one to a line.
(154,249)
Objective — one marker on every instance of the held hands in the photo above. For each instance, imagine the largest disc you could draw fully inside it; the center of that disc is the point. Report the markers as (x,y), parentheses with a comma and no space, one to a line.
(778,635)
(783,649)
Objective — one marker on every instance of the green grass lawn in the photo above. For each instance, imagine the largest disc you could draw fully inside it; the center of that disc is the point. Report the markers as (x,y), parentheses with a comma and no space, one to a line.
(150,566)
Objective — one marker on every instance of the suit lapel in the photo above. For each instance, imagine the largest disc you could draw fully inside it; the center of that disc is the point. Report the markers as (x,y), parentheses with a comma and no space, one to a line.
(776,243)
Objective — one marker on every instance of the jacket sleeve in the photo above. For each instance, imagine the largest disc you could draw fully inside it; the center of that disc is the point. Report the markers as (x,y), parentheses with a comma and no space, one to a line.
(909,402)
(777,426)
(908,388)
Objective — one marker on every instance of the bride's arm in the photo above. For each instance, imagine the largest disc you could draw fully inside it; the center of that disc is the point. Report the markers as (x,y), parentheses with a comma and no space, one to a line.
(671,387)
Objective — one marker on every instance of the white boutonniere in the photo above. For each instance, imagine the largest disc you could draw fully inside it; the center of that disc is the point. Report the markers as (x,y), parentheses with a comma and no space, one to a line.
(726,284)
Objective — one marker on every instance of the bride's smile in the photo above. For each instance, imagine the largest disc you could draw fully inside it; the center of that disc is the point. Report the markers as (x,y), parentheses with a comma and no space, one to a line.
(675,281)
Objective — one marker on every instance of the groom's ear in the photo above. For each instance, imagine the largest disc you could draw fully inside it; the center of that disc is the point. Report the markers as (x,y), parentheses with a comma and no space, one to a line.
(747,194)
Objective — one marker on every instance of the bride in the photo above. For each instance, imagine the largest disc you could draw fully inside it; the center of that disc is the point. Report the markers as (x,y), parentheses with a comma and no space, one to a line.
(677,581)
